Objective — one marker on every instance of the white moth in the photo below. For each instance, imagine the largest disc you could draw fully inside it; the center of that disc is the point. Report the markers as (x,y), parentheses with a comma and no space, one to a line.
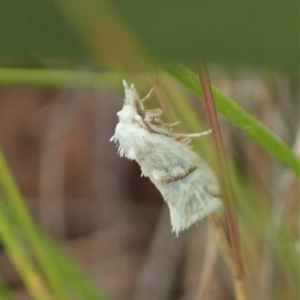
(186,182)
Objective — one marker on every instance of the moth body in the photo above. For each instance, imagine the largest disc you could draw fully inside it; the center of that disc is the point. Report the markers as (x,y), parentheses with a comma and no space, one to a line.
(186,182)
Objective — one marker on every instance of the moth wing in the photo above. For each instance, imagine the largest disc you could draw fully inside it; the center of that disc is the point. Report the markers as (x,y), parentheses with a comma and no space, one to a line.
(190,200)
(186,182)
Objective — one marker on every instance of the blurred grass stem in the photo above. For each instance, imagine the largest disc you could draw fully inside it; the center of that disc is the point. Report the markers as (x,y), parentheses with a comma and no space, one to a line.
(239,269)
(20,257)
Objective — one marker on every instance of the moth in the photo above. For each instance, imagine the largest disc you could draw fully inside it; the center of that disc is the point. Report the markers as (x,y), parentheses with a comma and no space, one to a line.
(186,182)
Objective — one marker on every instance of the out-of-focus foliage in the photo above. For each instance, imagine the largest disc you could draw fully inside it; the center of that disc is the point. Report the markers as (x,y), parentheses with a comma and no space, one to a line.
(17,226)
(260,32)
(34,32)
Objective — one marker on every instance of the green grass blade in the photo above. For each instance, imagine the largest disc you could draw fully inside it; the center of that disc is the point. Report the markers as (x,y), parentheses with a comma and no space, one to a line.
(4,291)
(239,117)
(21,215)
(61,272)
(74,278)
(52,78)
(18,253)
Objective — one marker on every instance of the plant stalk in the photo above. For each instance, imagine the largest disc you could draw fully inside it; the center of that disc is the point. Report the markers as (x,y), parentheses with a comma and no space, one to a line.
(241,283)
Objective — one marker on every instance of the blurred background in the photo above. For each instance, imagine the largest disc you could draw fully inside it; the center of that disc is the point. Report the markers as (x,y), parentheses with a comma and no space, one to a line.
(57,117)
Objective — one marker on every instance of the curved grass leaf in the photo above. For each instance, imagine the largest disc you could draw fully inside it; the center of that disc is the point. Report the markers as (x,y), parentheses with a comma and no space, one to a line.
(18,254)
(4,291)
(52,78)
(239,117)
(61,274)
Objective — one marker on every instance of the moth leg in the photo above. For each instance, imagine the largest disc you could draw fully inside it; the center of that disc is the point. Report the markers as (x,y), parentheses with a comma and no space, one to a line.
(192,135)
(147,96)
(154,116)
(154,113)
(159,129)
(170,125)
(139,119)
(185,141)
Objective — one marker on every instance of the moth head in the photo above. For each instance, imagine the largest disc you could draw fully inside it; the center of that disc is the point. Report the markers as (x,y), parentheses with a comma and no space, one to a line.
(131,96)
(132,105)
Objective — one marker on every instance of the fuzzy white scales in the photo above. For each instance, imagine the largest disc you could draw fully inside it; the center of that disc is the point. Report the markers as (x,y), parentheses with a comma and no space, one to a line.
(186,182)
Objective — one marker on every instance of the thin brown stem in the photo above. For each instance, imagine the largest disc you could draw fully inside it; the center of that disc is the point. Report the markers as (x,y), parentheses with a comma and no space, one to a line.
(238,265)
